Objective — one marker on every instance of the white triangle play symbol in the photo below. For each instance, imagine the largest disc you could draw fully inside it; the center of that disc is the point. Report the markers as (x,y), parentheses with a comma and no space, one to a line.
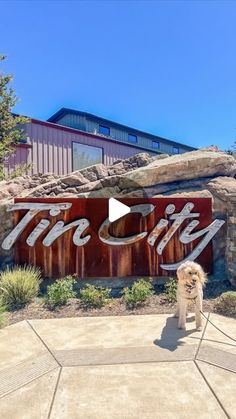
(117,210)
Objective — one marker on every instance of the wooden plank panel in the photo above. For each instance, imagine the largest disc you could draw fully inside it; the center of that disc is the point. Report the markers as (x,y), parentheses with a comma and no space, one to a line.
(99,259)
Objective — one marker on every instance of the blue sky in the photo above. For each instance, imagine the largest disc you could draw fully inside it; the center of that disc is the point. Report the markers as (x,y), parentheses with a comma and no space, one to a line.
(167,67)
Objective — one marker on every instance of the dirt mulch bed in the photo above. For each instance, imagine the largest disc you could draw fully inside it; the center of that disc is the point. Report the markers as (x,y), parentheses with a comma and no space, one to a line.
(74,308)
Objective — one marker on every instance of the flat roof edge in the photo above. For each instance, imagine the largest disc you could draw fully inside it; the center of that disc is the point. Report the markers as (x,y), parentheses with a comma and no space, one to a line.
(64,111)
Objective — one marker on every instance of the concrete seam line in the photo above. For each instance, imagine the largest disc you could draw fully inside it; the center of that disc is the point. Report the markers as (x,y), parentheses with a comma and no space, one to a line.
(211,389)
(39,337)
(54,393)
(126,363)
(201,338)
(219,330)
(215,365)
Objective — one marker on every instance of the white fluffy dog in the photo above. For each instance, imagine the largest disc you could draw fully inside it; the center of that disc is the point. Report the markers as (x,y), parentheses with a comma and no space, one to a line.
(191,279)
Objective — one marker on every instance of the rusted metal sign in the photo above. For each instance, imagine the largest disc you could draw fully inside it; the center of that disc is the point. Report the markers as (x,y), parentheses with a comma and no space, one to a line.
(65,236)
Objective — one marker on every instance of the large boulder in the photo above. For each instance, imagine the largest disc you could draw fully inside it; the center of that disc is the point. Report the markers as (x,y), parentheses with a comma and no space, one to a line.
(167,188)
(181,167)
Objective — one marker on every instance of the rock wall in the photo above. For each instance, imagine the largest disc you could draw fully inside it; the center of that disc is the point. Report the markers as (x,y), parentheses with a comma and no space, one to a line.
(6,225)
(199,173)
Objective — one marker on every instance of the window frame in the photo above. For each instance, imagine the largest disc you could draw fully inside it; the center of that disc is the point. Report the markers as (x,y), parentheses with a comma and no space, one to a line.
(174,147)
(132,135)
(87,145)
(156,142)
(104,126)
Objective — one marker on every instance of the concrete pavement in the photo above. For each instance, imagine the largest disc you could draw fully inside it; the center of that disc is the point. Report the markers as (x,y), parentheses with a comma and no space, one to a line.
(117,367)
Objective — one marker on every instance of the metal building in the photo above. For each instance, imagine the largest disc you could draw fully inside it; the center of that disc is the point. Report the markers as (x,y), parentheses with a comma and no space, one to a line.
(71,140)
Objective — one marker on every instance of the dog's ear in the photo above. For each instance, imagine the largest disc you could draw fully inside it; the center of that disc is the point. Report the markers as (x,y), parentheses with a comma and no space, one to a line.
(181,272)
(202,275)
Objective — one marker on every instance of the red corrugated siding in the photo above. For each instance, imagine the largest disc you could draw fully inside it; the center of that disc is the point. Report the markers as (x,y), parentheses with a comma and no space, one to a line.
(21,156)
(52,149)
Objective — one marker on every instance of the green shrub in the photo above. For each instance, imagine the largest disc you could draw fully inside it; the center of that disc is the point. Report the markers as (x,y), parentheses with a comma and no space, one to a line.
(226,303)
(2,315)
(20,170)
(60,292)
(19,286)
(93,296)
(170,290)
(140,291)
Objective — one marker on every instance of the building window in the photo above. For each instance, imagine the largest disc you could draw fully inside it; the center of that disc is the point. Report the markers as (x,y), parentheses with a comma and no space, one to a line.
(155,144)
(24,140)
(175,150)
(85,155)
(132,138)
(104,130)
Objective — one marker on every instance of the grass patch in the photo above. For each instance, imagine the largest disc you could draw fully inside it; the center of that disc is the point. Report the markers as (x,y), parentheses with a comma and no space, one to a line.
(2,315)
(19,286)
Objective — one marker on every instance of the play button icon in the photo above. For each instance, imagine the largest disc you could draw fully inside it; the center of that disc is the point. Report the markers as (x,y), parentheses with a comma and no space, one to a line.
(117,210)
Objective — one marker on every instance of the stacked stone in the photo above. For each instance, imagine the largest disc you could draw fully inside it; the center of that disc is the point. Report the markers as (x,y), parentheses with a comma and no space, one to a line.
(6,225)
(75,184)
(231,240)
(16,187)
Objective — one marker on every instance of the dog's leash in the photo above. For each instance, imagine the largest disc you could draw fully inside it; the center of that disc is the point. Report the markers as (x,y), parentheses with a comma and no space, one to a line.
(217,327)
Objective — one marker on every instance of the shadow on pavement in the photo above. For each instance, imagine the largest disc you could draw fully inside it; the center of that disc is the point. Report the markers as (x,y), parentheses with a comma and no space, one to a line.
(171,336)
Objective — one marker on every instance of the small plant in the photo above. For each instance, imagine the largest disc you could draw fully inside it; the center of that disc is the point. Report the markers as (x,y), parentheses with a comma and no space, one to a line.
(19,286)
(60,292)
(170,290)
(226,303)
(20,170)
(93,296)
(140,291)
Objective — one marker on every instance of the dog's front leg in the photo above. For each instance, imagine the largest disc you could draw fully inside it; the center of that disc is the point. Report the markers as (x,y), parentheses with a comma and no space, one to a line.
(182,313)
(198,316)
(177,310)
